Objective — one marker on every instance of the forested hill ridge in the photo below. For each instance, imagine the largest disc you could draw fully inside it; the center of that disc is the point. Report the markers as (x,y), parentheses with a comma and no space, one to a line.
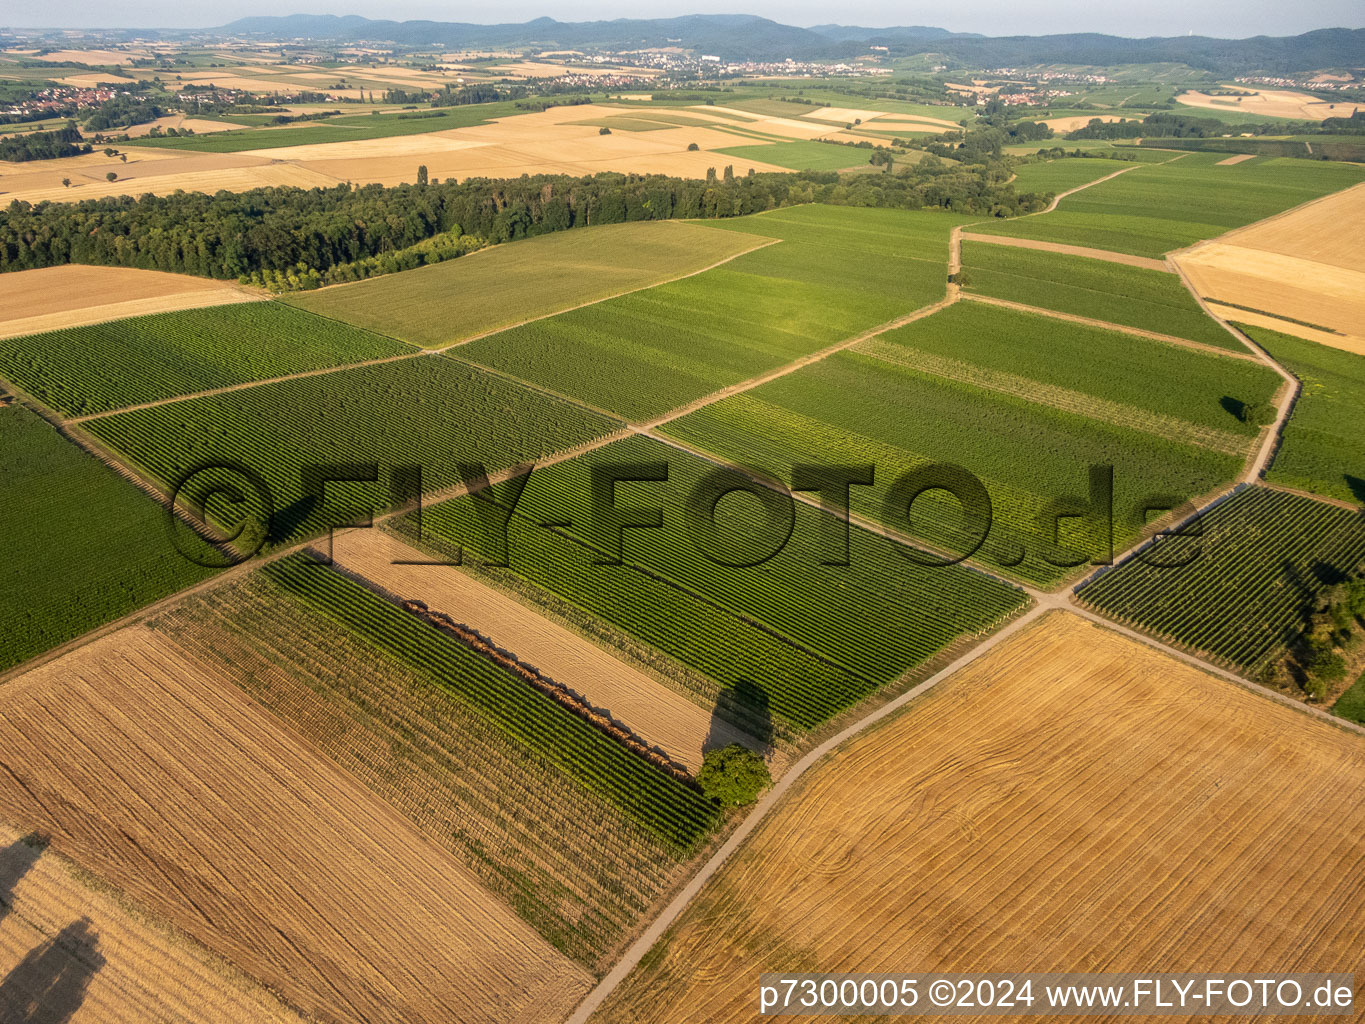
(742,36)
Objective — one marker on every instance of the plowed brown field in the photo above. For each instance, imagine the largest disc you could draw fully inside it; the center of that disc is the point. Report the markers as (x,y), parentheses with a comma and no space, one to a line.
(1073,801)
(155,771)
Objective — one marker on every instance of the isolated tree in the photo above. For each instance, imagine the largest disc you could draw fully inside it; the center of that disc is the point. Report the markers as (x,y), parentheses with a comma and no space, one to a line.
(604,131)
(692,147)
(1257,414)
(111,176)
(421,174)
(123,157)
(734,775)
(66,182)
(110,152)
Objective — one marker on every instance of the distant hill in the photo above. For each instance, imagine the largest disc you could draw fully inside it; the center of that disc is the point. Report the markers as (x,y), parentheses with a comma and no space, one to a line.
(748,37)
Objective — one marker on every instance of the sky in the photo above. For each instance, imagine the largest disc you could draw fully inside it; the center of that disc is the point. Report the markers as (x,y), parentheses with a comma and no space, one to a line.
(1225,18)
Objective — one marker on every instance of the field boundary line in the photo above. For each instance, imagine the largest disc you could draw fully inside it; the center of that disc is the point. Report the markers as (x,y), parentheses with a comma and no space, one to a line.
(243,387)
(1168,339)
(1107,255)
(606,298)
(1324,499)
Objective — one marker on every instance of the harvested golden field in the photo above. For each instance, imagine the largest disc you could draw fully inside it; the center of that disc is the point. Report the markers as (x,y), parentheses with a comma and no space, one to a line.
(843,115)
(51,298)
(1072,801)
(92,56)
(1324,231)
(541,143)
(660,716)
(198,125)
(1272,103)
(1345,342)
(1237,159)
(570,862)
(159,171)
(1070,124)
(848,115)
(1319,294)
(546,142)
(86,956)
(152,769)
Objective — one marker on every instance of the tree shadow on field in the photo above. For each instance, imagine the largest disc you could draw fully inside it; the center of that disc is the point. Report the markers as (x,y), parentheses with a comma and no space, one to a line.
(15,861)
(49,985)
(1356,485)
(1235,407)
(743,706)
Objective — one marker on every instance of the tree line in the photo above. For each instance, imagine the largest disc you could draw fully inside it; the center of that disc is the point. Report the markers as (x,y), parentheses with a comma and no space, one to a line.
(44,145)
(292,230)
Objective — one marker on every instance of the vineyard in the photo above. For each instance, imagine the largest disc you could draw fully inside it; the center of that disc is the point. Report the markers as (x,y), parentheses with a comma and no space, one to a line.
(856,408)
(506,284)
(94,369)
(86,546)
(1241,593)
(1321,450)
(1155,208)
(429,412)
(1131,296)
(789,642)
(1199,389)
(676,813)
(1059,175)
(646,353)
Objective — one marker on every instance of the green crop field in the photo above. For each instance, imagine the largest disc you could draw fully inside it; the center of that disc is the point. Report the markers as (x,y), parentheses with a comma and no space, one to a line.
(346,128)
(1152,300)
(1241,593)
(677,814)
(427,411)
(799,156)
(1351,704)
(85,545)
(84,370)
(1060,175)
(567,859)
(789,642)
(1197,390)
(505,284)
(1155,208)
(857,407)
(1322,449)
(646,353)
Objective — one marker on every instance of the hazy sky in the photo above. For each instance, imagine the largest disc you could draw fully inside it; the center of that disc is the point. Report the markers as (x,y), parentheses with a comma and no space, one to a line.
(1227,18)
